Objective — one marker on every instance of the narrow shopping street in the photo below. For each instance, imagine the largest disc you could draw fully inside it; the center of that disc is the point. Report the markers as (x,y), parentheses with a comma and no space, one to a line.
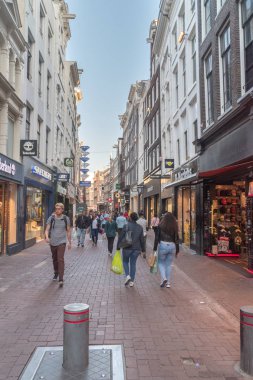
(187,331)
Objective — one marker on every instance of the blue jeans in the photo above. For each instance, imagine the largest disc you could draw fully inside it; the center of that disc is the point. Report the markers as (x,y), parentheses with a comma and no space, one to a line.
(94,234)
(166,253)
(130,255)
(81,235)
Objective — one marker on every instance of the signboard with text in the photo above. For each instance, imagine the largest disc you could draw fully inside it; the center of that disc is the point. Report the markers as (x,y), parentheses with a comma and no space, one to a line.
(28,148)
(85,183)
(69,162)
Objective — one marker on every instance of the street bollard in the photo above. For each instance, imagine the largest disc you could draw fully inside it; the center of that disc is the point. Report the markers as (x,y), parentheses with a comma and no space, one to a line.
(246,336)
(76,337)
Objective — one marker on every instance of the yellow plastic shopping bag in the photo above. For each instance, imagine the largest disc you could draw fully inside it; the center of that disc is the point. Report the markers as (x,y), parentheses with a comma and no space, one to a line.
(117,264)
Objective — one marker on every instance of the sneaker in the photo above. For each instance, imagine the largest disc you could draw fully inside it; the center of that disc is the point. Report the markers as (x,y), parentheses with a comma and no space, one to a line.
(128,280)
(82,245)
(55,277)
(78,244)
(131,284)
(162,285)
(168,285)
(61,283)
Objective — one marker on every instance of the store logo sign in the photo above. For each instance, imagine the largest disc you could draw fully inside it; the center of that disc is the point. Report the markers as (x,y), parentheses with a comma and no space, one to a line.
(28,148)
(7,167)
(41,172)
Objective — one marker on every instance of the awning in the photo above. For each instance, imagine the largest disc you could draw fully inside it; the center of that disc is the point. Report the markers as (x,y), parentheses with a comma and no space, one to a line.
(235,169)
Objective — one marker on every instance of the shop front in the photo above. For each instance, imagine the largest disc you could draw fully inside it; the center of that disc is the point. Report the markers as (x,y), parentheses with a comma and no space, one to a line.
(152,198)
(11,210)
(226,169)
(183,202)
(38,199)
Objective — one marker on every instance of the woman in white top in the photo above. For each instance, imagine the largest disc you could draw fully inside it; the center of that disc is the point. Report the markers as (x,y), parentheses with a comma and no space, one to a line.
(155,223)
(94,229)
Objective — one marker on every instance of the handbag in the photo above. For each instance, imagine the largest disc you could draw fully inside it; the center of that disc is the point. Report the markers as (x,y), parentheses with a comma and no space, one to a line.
(127,240)
(154,269)
(152,259)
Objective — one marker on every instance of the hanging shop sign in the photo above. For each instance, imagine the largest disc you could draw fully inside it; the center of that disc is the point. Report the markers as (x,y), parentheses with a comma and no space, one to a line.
(84,148)
(85,183)
(28,148)
(69,162)
(41,172)
(62,177)
(169,163)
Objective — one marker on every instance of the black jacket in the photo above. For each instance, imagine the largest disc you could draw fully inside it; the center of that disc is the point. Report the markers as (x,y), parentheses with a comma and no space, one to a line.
(137,236)
(83,221)
(164,236)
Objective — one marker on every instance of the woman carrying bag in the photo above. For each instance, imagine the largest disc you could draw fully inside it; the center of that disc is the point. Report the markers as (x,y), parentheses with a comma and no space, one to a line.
(110,228)
(132,242)
(167,238)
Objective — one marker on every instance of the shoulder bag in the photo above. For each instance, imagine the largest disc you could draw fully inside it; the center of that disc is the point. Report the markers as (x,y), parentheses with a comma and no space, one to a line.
(127,240)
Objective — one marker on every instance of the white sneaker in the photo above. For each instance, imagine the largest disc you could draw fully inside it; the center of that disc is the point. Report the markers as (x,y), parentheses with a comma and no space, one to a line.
(131,284)
(128,280)
(167,285)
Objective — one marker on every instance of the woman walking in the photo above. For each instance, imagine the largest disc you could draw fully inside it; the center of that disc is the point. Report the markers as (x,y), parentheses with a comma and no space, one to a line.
(130,254)
(95,224)
(167,238)
(155,223)
(110,231)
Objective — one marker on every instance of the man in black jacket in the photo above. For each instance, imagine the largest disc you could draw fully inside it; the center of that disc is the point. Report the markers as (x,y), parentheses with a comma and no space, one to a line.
(82,224)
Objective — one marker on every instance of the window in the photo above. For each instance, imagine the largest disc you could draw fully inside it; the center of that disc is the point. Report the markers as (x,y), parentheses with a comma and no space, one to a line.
(207,5)
(48,89)
(182,19)
(194,63)
(29,56)
(186,145)
(178,152)
(10,140)
(28,123)
(174,35)
(195,132)
(42,17)
(38,136)
(176,86)
(40,75)
(247,24)
(209,89)
(47,143)
(49,39)
(226,67)
(184,76)
(220,4)
(193,5)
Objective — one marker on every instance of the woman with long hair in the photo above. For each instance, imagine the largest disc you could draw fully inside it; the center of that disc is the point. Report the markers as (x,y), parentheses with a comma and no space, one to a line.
(110,230)
(155,223)
(167,238)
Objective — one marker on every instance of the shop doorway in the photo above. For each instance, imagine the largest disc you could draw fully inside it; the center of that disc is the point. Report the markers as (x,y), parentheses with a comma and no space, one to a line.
(186,215)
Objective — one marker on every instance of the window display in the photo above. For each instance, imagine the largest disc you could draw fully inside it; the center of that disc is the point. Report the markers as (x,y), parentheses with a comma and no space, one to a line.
(34,213)
(227,220)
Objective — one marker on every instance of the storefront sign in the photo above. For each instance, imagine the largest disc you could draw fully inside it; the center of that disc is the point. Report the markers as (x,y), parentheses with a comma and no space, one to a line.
(28,148)
(69,162)
(185,171)
(7,167)
(85,183)
(11,169)
(169,163)
(41,172)
(62,177)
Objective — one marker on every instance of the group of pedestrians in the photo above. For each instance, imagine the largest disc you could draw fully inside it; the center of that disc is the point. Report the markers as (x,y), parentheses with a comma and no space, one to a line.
(166,241)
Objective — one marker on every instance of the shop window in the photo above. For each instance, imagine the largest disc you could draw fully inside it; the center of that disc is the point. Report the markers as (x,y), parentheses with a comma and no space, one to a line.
(12,220)
(193,215)
(35,213)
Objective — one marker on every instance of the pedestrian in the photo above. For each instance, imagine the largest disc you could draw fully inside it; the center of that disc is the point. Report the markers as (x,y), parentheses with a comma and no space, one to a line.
(57,233)
(120,221)
(130,254)
(143,223)
(126,214)
(82,224)
(155,223)
(110,230)
(95,224)
(167,238)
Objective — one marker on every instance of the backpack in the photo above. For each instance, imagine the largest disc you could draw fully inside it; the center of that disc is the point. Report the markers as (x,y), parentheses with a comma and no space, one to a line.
(52,222)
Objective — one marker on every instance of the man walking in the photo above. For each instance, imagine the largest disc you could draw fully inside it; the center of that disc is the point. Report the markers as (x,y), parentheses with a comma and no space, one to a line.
(57,233)
(120,221)
(143,223)
(83,222)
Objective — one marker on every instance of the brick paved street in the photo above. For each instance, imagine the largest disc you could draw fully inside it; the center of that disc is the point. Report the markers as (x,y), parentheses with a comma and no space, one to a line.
(179,333)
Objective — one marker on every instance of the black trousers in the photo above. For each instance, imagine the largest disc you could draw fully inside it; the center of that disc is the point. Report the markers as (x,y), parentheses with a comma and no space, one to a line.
(110,243)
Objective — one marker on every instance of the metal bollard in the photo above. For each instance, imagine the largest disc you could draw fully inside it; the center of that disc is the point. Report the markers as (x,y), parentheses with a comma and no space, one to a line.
(246,336)
(76,337)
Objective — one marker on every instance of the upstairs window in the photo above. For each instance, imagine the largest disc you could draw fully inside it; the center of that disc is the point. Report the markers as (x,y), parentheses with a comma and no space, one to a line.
(247,24)
(226,68)
(207,6)
(209,88)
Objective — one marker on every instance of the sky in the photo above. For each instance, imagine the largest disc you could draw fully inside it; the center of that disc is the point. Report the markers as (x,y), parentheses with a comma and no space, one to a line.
(108,41)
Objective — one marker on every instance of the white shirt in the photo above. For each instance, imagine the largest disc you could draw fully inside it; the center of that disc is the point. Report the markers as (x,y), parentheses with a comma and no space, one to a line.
(94,224)
(143,223)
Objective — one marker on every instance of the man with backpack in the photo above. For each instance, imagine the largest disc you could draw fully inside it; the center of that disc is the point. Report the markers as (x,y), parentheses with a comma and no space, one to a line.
(83,222)
(57,233)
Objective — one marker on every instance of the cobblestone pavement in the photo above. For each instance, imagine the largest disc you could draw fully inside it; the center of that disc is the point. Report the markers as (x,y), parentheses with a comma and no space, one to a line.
(175,334)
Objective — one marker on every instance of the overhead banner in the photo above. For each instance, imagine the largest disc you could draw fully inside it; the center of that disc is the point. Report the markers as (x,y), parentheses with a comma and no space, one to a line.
(84,148)
(85,165)
(84,170)
(84,154)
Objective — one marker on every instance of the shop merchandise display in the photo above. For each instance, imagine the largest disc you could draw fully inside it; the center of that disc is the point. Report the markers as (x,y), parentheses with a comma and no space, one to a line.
(225,225)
